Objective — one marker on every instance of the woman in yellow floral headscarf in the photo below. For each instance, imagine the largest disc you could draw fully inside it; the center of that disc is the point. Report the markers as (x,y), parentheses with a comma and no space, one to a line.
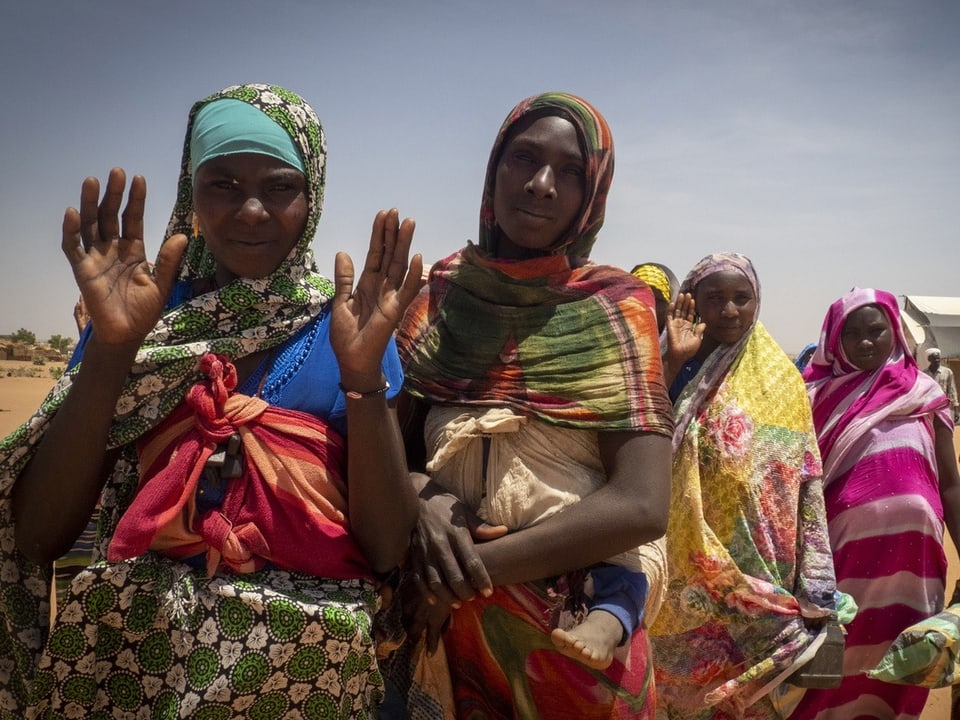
(751,575)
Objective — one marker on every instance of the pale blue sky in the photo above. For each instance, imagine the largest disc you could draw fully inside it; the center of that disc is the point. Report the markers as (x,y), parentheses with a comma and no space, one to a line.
(821,138)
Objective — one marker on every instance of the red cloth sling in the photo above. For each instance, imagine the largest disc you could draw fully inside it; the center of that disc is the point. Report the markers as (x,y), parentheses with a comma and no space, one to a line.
(288,507)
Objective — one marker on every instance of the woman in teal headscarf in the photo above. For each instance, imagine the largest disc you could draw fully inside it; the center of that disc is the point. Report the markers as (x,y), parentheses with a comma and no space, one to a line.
(208,412)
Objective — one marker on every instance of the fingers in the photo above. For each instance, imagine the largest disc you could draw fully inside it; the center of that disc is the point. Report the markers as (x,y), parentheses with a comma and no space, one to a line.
(475,569)
(444,583)
(477,577)
(70,242)
(343,276)
(397,248)
(683,309)
(483,532)
(168,263)
(438,564)
(133,212)
(417,570)
(89,209)
(414,614)
(98,221)
(436,624)
(389,250)
(462,571)
(419,617)
(385,225)
(408,277)
(108,214)
(429,583)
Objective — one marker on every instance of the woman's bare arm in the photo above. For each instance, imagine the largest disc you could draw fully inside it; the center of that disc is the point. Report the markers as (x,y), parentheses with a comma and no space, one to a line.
(949,477)
(55,494)
(383,504)
(628,511)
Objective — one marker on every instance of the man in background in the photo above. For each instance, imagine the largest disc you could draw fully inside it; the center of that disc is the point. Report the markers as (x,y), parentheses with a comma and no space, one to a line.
(944,377)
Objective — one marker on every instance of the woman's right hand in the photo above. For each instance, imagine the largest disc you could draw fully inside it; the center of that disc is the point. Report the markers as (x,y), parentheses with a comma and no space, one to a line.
(684,334)
(123,298)
(443,558)
(445,569)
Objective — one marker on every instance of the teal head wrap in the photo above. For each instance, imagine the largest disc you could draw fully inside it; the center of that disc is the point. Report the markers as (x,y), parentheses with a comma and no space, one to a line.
(228,127)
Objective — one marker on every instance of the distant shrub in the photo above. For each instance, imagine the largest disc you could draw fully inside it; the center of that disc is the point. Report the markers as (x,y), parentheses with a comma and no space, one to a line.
(23,372)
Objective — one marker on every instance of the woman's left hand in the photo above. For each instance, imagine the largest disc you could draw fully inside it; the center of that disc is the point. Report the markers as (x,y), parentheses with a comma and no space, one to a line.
(365,316)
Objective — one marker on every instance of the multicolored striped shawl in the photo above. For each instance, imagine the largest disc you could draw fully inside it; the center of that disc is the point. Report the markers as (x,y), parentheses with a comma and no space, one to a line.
(574,346)
(557,337)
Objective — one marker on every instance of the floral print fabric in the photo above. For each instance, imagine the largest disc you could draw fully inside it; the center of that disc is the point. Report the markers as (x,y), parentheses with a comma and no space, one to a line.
(149,638)
(747,542)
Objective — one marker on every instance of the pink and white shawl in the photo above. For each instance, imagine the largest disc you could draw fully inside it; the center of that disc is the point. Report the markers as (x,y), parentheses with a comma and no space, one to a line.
(875,430)
(848,401)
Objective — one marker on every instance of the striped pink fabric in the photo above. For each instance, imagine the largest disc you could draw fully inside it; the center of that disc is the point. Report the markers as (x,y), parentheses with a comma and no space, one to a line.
(847,401)
(876,436)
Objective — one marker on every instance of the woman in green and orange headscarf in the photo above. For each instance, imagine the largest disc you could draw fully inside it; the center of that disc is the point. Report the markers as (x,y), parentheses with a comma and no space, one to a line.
(539,369)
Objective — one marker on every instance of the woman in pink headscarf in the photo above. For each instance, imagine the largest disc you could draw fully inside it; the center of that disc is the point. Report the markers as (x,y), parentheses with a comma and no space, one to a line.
(890,483)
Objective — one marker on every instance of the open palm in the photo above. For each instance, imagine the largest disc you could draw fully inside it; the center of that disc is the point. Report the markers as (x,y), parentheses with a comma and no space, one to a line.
(122,295)
(365,316)
(684,334)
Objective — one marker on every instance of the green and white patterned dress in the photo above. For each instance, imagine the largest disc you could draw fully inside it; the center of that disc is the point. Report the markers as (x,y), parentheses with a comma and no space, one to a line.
(154,638)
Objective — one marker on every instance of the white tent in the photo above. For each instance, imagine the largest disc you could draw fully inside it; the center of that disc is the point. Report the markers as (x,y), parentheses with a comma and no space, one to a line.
(933,322)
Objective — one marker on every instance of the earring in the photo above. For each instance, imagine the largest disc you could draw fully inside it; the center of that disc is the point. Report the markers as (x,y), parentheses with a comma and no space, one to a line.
(196,226)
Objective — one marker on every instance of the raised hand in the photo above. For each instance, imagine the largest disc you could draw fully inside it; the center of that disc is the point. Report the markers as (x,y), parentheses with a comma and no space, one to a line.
(123,298)
(80,316)
(684,335)
(365,316)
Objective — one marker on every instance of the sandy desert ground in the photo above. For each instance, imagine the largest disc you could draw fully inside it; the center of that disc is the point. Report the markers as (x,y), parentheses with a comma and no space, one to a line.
(20,397)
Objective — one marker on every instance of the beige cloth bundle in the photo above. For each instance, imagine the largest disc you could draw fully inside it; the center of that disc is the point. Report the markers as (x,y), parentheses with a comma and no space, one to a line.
(533,470)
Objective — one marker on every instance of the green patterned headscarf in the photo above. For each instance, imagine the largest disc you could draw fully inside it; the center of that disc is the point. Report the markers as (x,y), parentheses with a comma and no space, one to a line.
(244,317)
(299,120)
(596,144)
